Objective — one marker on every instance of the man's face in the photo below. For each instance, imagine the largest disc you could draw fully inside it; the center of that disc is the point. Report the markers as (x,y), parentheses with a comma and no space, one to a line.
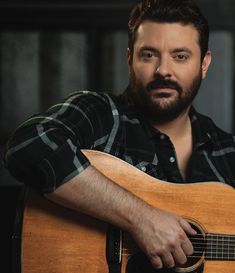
(166,69)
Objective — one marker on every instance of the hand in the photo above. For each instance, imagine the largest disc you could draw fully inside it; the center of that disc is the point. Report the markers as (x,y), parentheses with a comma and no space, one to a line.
(163,237)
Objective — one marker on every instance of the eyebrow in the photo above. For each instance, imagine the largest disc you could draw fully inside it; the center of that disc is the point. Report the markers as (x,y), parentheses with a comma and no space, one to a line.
(176,50)
(182,49)
(150,48)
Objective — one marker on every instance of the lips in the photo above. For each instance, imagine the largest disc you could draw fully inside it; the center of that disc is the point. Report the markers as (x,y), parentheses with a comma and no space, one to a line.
(162,92)
(164,88)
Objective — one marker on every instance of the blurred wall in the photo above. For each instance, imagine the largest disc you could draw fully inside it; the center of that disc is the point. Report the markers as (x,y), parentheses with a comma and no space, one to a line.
(50,50)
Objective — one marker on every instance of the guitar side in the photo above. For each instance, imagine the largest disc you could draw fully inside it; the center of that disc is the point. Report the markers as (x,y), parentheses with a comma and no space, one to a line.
(58,240)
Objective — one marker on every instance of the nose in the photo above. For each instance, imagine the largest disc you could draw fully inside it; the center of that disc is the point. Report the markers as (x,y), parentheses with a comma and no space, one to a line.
(163,68)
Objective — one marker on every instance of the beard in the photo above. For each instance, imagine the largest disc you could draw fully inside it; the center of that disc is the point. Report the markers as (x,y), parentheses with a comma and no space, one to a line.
(162,107)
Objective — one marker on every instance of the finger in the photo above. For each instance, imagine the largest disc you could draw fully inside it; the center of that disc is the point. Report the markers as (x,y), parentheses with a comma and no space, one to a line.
(156,262)
(187,227)
(187,247)
(168,260)
(179,256)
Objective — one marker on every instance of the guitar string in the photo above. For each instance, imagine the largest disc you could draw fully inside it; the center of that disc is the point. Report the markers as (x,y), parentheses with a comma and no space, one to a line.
(209,242)
(199,254)
(201,248)
(198,257)
(210,236)
(217,252)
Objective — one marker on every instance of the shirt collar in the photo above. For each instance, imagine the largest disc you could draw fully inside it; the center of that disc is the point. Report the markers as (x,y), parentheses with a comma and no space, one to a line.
(200,129)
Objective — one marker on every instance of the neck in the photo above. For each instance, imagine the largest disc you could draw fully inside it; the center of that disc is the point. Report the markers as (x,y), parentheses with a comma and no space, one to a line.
(179,131)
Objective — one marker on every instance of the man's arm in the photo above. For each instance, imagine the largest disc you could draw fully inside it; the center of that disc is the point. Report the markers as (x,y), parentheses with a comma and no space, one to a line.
(160,234)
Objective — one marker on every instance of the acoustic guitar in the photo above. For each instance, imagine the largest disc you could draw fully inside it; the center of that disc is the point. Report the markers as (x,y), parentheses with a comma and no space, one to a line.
(58,240)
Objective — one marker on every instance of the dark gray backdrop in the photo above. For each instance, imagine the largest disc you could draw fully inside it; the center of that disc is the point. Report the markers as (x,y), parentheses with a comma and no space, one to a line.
(51,48)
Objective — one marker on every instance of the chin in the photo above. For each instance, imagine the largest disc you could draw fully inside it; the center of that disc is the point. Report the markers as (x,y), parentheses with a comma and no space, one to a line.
(163,103)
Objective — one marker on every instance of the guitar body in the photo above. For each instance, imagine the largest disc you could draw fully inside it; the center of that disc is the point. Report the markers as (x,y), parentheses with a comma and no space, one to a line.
(58,240)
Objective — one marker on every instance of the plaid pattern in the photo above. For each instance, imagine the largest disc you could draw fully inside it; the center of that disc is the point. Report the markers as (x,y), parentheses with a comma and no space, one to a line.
(44,152)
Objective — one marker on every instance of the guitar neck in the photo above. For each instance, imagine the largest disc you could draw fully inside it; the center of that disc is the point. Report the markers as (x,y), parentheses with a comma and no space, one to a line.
(219,247)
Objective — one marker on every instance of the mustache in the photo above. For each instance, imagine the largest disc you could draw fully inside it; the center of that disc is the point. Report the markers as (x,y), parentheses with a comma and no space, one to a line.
(163,83)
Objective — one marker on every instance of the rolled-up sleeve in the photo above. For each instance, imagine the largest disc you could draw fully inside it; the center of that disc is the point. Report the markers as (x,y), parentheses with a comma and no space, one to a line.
(45,151)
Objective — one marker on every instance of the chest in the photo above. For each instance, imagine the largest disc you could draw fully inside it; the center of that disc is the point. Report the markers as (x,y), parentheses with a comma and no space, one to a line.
(158,157)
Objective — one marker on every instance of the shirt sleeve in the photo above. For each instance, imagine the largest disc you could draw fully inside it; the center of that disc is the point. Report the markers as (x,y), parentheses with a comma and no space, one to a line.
(45,151)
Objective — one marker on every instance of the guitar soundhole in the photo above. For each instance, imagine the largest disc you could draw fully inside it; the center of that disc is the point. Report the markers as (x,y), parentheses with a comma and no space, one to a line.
(195,262)
(138,263)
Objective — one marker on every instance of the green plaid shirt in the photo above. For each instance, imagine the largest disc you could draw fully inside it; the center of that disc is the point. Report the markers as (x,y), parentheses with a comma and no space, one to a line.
(44,152)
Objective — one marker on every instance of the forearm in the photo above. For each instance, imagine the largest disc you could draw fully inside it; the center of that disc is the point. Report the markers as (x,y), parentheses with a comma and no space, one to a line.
(92,193)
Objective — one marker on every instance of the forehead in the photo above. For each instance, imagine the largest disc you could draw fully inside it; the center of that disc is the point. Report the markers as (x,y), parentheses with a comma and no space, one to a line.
(167,34)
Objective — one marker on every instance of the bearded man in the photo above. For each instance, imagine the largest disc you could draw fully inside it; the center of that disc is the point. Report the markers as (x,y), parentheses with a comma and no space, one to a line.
(152,125)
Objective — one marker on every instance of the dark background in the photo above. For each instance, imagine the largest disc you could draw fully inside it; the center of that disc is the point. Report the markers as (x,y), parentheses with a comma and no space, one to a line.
(51,48)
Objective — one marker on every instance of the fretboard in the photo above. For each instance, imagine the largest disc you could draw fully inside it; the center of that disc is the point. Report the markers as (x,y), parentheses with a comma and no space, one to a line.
(219,247)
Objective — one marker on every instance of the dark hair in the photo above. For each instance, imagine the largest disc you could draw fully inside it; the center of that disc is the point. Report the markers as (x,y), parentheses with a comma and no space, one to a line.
(168,11)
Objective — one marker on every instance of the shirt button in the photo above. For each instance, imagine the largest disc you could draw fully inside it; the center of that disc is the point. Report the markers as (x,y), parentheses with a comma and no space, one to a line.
(162,137)
(172,159)
(143,169)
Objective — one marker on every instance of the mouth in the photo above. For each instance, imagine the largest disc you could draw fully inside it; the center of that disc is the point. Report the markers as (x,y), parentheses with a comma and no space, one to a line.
(164,88)
(163,91)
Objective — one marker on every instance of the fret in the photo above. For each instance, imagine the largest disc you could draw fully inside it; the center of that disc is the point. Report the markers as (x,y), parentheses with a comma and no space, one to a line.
(220,247)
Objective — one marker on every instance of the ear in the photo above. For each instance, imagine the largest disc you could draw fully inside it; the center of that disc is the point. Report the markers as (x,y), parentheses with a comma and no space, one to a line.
(206,63)
(129,59)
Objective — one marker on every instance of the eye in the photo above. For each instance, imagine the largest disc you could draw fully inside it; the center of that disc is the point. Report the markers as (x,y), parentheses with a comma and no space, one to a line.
(147,55)
(181,57)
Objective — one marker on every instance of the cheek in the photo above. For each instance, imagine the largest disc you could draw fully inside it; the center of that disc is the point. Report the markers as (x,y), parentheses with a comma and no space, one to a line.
(143,74)
(186,76)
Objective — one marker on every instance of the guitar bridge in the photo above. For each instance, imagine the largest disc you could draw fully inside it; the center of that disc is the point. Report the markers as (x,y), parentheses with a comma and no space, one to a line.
(113,249)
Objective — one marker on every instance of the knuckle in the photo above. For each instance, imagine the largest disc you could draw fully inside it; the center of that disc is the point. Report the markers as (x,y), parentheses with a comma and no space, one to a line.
(181,235)
(173,243)
(163,250)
